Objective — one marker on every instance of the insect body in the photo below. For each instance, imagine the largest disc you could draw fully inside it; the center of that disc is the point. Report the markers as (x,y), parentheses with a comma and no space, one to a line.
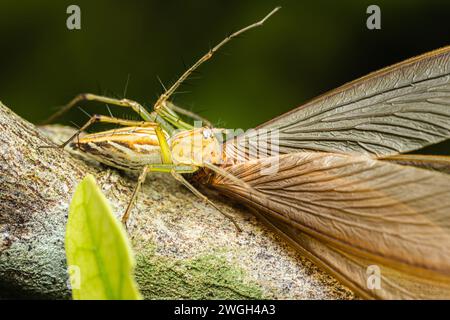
(343,194)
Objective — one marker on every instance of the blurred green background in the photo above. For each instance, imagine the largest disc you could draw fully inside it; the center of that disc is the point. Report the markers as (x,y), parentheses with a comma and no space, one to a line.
(307,48)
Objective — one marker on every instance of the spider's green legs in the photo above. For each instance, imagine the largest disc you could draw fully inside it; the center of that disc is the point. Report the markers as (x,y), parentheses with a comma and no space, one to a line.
(160,106)
(127,103)
(168,111)
(104,119)
(139,109)
(164,167)
(172,117)
(164,115)
(188,113)
(176,171)
(176,174)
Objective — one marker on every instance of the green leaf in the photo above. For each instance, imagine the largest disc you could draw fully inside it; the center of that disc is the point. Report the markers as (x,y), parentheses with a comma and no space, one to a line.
(99,255)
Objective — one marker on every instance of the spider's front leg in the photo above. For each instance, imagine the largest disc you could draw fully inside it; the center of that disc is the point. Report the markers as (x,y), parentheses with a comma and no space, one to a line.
(103,119)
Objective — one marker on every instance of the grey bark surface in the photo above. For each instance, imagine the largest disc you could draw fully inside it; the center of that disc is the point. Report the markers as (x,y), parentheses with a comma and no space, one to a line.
(184,248)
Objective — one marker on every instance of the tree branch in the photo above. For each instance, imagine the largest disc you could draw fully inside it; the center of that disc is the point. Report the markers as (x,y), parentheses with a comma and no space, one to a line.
(184,248)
